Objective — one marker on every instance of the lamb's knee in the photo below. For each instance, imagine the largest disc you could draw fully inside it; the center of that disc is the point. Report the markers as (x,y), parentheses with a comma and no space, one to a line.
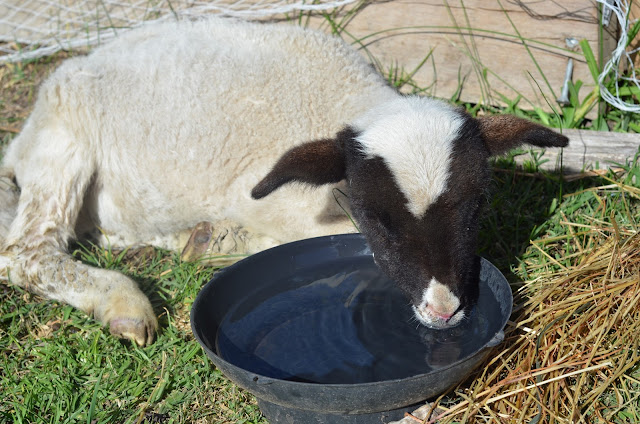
(48,272)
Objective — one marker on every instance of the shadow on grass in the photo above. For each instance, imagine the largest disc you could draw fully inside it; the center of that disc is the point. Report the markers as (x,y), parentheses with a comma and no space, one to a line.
(519,208)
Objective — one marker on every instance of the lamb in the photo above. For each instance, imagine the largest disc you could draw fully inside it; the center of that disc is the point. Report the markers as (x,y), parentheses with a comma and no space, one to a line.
(244,129)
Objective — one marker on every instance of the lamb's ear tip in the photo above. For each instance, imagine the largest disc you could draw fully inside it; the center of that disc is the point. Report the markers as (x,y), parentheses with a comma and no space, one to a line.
(257,193)
(560,140)
(547,137)
(267,186)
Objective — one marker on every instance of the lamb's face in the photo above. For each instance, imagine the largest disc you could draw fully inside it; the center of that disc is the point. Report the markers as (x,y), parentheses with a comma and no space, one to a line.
(416,181)
(417,172)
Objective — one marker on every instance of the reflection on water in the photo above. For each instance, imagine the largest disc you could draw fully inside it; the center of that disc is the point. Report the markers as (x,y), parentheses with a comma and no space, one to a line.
(345,323)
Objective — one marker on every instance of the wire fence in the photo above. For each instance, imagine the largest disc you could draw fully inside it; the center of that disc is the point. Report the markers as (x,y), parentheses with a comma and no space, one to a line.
(35,28)
(621,58)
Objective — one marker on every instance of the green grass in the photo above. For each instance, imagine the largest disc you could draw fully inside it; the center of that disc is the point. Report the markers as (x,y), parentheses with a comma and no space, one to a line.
(56,362)
(57,365)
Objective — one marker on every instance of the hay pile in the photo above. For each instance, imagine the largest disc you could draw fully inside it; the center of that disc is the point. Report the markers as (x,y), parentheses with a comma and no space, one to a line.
(574,336)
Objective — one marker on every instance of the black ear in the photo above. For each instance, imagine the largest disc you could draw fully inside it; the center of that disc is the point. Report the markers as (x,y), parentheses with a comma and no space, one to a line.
(502,133)
(316,162)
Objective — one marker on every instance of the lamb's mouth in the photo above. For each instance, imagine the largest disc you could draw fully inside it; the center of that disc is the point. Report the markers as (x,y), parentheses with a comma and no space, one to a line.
(431,320)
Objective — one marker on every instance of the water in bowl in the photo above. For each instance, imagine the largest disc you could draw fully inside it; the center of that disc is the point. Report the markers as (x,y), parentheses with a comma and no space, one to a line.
(344,323)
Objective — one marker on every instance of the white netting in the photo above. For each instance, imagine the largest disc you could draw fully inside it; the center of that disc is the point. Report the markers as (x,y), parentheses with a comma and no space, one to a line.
(611,70)
(35,28)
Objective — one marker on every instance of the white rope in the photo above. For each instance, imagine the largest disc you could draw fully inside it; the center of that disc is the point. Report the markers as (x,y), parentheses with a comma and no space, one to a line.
(620,8)
(36,28)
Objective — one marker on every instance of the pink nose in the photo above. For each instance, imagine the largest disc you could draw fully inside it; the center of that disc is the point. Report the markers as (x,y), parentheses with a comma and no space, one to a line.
(442,315)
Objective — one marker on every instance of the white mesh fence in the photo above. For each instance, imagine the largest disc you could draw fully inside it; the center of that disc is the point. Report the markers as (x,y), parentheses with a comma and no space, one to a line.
(35,28)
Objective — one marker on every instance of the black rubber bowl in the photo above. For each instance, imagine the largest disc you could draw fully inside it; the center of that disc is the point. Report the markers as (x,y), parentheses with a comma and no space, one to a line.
(319,335)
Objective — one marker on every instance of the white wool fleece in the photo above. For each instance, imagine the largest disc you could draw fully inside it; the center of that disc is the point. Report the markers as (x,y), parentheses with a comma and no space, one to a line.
(173,124)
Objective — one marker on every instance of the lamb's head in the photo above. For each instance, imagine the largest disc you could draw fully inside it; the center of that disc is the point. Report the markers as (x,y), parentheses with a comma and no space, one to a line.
(417,170)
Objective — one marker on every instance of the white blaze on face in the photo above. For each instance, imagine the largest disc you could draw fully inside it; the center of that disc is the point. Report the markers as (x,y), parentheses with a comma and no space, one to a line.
(439,306)
(414,136)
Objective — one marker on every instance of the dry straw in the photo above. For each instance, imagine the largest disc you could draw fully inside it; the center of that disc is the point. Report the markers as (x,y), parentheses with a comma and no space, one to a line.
(574,336)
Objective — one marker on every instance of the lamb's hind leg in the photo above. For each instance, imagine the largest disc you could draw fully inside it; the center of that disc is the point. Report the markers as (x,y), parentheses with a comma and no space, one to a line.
(35,247)
(222,243)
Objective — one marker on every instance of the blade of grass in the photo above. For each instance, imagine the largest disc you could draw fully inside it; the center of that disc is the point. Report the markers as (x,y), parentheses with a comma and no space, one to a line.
(94,398)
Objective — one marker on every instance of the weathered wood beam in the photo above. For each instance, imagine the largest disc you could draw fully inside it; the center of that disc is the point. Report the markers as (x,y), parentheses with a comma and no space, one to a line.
(589,150)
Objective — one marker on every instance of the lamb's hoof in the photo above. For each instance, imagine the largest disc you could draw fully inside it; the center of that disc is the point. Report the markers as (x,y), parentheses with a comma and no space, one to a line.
(198,242)
(128,313)
(218,245)
(222,243)
(140,331)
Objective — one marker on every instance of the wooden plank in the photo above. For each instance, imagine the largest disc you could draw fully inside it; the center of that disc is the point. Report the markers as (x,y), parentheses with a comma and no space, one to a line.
(589,150)
(472,37)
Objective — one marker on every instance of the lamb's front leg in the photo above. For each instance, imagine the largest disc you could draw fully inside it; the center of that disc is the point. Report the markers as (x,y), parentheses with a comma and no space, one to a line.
(34,253)
(109,296)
